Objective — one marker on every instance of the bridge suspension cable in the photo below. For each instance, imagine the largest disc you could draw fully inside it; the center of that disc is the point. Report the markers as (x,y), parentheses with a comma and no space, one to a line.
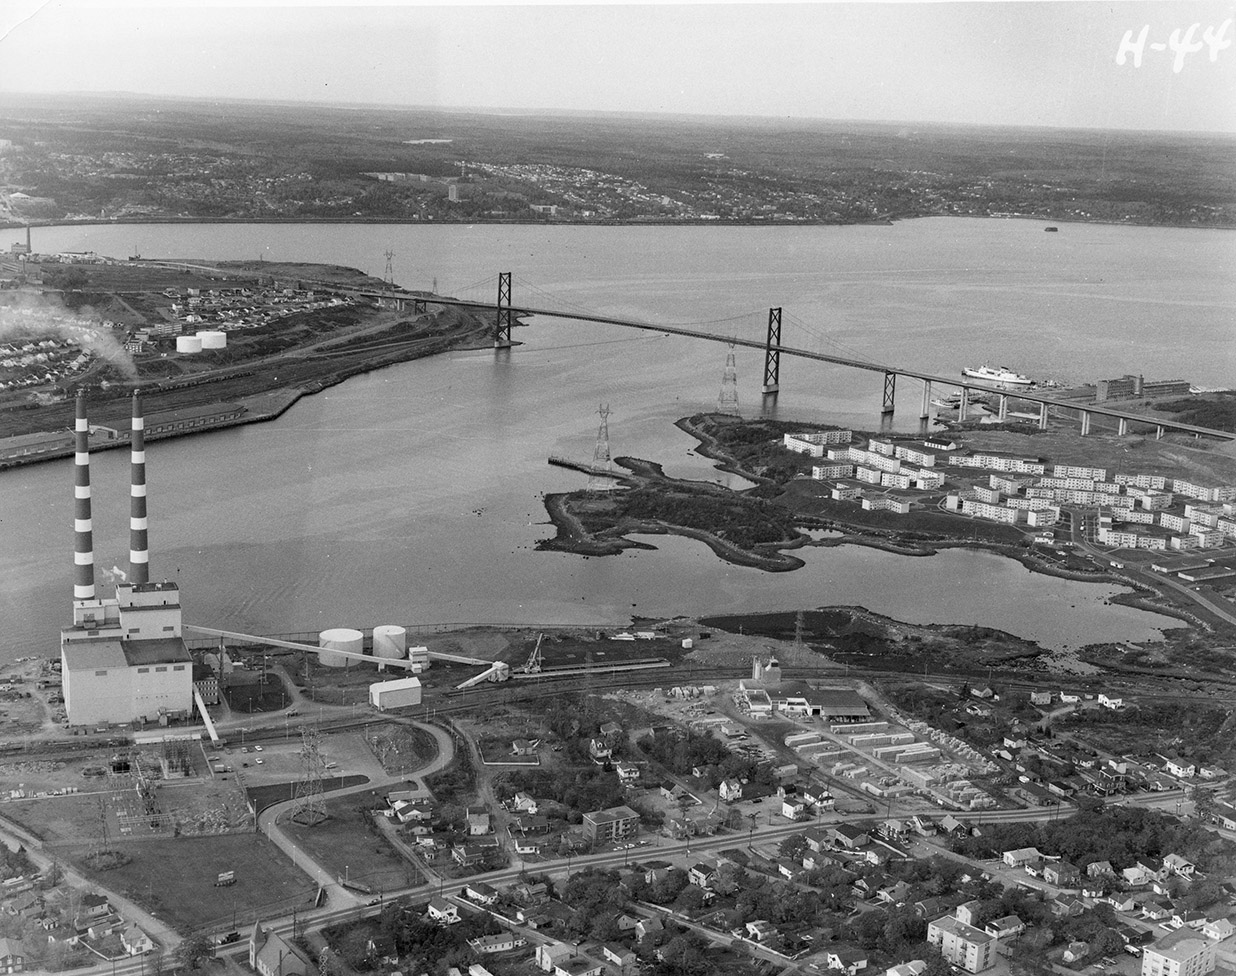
(826,343)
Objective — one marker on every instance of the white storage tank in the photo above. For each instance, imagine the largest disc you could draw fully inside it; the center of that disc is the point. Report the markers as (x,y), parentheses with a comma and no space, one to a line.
(188,344)
(390,642)
(339,639)
(213,339)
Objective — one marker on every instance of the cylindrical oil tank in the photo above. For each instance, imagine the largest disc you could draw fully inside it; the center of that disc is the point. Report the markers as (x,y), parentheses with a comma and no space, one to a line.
(188,344)
(390,641)
(213,339)
(339,639)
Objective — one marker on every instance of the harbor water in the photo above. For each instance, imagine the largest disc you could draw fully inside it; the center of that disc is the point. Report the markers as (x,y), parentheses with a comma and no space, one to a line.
(414,494)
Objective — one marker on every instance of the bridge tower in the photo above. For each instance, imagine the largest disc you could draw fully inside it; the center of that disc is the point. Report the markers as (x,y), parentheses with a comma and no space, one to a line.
(727,402)
(890,393)
(772,352)
(388,276)
(502,323)
(601,459)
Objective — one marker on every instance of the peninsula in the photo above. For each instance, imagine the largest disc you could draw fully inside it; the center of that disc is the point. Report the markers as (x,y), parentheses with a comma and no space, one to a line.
(1081,507)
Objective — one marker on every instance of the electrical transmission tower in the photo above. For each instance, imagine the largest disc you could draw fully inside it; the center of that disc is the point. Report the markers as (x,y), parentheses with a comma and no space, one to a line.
(600,455)
(389,276)
(727,402)
(310,810)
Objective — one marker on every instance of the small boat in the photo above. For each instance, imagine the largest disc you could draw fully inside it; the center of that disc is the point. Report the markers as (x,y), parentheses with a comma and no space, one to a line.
(996,374)
(1051,230)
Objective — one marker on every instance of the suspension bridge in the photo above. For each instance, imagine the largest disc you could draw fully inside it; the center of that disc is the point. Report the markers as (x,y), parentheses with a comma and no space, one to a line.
(506,312)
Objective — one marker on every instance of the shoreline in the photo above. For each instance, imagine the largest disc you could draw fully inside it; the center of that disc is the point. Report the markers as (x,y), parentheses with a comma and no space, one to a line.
(888,221)
(572,536)
(284,397)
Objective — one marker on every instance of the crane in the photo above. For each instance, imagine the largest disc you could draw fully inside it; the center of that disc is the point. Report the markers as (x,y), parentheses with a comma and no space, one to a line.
(533,664)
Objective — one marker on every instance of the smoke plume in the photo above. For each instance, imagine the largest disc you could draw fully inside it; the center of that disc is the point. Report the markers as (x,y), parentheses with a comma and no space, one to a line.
(25,316)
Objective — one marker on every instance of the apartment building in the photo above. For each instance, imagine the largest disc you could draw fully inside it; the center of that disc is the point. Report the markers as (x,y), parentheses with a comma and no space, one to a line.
(970,948)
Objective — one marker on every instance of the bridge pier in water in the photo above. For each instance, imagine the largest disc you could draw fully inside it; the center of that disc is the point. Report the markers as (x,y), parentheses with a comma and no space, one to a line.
(1085,422)
(1003,413)
(890,393)
(1123,427)
(772,353)
(925,413)
(502,322)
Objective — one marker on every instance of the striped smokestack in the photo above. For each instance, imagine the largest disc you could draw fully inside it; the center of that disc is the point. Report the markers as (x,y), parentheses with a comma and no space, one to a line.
(83,545)
(139,556)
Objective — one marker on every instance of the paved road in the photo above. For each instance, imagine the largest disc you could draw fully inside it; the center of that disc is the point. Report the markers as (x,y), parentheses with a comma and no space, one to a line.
(269,819)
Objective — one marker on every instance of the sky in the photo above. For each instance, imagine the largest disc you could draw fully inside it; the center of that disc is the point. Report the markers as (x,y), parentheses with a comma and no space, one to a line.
(1022,62)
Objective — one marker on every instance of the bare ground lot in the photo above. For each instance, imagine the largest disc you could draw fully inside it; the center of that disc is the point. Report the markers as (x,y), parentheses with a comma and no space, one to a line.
(175,879)
(349,844)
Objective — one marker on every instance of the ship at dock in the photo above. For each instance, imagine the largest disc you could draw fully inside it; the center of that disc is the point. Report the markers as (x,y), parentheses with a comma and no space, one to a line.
(996,374)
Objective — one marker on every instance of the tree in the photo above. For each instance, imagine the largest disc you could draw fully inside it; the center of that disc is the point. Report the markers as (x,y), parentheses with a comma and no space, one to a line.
(193,951)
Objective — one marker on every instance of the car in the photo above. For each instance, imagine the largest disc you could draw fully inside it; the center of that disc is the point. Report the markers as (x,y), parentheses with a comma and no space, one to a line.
(258,761)
(257,748)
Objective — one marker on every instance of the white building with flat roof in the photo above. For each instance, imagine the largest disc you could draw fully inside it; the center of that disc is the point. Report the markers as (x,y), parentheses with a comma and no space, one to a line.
(124,659)
(1184,952)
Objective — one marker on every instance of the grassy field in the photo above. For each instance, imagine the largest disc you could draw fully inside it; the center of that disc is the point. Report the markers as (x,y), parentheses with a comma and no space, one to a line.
(350,842)
(174,879)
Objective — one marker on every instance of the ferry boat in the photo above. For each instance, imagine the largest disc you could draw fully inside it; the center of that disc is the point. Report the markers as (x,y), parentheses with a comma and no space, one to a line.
(996,374)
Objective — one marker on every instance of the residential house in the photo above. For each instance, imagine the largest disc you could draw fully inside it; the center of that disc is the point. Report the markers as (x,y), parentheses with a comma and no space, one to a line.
(1152,867)
(1178,865)
(1218,929)
(1041,698)
(628,773)
(1096,869)
(953,827)
(270,954)
(599,750)
(702,874)
(1067,906)
(12,956)
(847,959)
(1062,874)
(501,942)
(648,927)
(473,853)
(525,747)
(924,826)
(529,823)
(524,803)
(620,956)
(793,809)
(817,797)
(1006,927)
(442,911)
(967,912)
(1076,951)
(915,967)
(135,941)
(761,930)
(962,945)
(1021,856)
(1225,815)
(730,791)
(531,892)
(1173,765)
(848,836)
(610,729)
(478,822)
(1107,701)
(894,894)
(481,893)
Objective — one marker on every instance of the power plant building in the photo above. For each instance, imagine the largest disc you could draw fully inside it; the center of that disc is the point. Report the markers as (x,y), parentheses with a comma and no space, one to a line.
(123,659)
